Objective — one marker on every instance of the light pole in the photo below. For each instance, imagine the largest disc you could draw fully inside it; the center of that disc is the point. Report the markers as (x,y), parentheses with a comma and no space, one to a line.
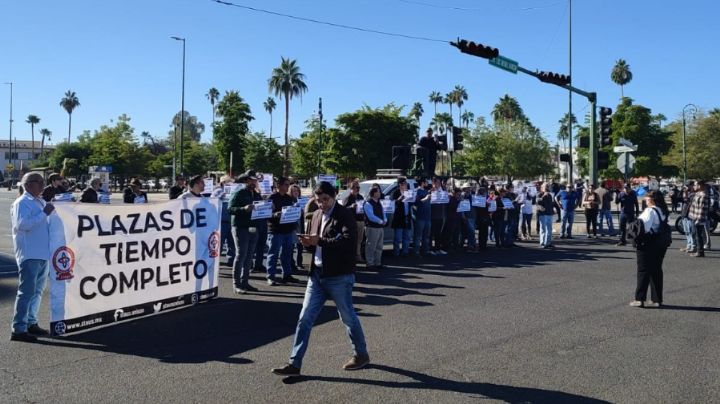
(693,108)
(11,122)
(182,104)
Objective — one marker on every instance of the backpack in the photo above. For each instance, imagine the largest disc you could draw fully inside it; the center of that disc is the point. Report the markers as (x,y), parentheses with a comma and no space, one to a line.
(664,233)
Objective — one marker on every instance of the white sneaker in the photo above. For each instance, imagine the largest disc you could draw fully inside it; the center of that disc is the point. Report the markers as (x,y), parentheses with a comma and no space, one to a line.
(433,253)
(442,252)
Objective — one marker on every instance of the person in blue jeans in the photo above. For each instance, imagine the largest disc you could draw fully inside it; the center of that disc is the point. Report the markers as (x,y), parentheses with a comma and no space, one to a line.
(629,209)
(567,199)
(605,213)
(31,242)
(281,236)
(422,218)
(244,230)
(331,241)
(401,221)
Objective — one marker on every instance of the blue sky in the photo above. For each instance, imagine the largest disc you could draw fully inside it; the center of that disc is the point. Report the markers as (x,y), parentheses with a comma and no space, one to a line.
(118,57)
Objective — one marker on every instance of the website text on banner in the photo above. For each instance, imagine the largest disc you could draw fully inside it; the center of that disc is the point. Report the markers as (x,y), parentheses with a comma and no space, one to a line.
(112,263)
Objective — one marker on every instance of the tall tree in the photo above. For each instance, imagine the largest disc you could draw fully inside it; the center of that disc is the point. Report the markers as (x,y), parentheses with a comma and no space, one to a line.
(263,154)
(467,117)
(213,95)
(436,98)
(269,106)
(69,102)
(507,109)
(193,128)
(441,122)
(449,99)
(621,75)
(32,120)
(460,96)
(45,133)
(563,129)
(229,133)
(415,113)
(287,82)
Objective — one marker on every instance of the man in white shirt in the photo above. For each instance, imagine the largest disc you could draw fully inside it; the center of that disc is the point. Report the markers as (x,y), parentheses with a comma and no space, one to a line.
(31,241)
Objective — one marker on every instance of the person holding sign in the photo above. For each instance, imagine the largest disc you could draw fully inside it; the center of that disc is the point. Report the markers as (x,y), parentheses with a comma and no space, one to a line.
(422,218)
(244,230)
(280,235)
(31,242)
(331,240)
(545,215)
(402,220)
(374,223)
(196,187)
(134,193)
(482,217)
(352,201)
(90,194)
(438,213)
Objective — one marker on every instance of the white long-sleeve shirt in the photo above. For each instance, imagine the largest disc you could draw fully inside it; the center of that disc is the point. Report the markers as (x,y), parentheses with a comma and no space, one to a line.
(651,219)
(30,229)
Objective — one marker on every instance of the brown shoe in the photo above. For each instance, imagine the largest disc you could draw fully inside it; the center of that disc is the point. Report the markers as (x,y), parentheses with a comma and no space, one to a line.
(357,362)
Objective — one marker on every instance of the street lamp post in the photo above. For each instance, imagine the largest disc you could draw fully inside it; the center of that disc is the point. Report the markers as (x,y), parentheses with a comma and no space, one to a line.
(182,104)
(693,108)
(10,159)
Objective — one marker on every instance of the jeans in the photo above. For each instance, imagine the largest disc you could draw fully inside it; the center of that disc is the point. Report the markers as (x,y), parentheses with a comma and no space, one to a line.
(401,235)
(32,276)
(422,236)
(526,224)
(605,215)
(690,237)
(318,290)
(624,219)
(591,216)
(545,229)
(568,217)
(245,244)
(227,239)
(282,244)
(472,243)
(262,232)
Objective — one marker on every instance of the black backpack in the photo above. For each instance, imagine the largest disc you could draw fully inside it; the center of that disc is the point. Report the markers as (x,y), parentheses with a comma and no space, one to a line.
(664,233)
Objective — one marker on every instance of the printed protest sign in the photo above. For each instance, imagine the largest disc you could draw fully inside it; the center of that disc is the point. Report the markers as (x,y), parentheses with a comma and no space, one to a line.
(229,189)
(492,206)
(479,201)
(262,210)
(265,183)
(209,186)
(439,197)
(331,178)
(507,203)
(409,195)
(290,214)
(359,206)
(388,206)
(464,206)
(126,261)
(302,201)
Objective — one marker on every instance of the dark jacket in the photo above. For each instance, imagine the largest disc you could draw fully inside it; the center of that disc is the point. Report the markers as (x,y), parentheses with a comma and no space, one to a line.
(239,216)
(628,203)
(89,195)
(349,200)
(338,241)
(49,192)
(129,196)
(175,191)
(280,201)
(544,204)
(400,220)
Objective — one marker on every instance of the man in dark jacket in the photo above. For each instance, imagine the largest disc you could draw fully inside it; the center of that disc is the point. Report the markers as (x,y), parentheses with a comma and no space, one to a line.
(244,230)
(54,187)
(90,194)
(177,189)
(331,240)
(629,209)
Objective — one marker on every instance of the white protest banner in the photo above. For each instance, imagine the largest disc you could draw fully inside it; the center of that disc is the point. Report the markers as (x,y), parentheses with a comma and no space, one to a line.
(439,197)
(388,206)
(209,185)
(331,178)
(479,201)
(65,197)
(492,206)
(265,183)
(112,263)
(464,206)
(507,203)
(262,210)
(409,195)
(359,207)
(290,214)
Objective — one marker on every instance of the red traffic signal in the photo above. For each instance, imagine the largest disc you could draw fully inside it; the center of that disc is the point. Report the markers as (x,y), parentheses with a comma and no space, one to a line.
(554,78)
(476,49)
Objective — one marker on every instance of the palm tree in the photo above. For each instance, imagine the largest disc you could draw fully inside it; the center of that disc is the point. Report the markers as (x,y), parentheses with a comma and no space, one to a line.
(213,95)
(461,96)
(563,130)
(450,100)
(286,82)
(69,103)
(507,109)
(32,120)
(270,105)
(621,75)
(467,117)
(441,122)
(415,113)
(435,98)
(45,133)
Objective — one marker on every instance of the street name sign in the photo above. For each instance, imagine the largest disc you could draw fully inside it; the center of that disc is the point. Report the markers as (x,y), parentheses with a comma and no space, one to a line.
(504,63)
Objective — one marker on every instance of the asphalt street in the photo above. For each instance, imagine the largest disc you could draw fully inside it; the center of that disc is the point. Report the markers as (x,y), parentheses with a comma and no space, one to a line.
(504,325)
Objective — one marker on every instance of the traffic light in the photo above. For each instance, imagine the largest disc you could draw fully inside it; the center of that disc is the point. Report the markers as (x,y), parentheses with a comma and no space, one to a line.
(605,126)
(603,160)
(584,142)
(554,78)
(565,157)
(457,138)
(442,142)
(476,49)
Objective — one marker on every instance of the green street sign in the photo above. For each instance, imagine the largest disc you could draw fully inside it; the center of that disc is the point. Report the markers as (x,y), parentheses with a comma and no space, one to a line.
(504,63)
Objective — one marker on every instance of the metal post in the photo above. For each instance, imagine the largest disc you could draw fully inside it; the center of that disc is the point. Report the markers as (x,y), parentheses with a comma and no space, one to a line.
(10,160)
(569,127)
(593,141)
(320,115)
(182,105)
(693,108)
(174,166)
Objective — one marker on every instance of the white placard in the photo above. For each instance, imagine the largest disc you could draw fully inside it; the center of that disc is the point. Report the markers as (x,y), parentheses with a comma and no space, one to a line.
(409,195)
(388,206)
(265,184)
(507,203)
(229,189)
(331,178)
(290,214)
(209,185)
(113,264)
(262,210)
(65,197)
(103,197)
(302,201)
(140,199)
(359,207)
(439,197)
(479,201)
(464,206)
(492,206)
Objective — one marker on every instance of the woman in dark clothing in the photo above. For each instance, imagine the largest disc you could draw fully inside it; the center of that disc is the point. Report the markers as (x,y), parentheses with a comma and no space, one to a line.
(651,252)
(591,204)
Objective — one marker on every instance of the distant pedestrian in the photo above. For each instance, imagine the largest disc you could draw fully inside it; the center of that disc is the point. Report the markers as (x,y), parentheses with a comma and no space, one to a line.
(134,193)
(651,252)
(545,206)
(699,210)
(244,230)
(567,199)
(605,213)
(629,209)
(177,189)
(90,194)
(374,223)
(591,204)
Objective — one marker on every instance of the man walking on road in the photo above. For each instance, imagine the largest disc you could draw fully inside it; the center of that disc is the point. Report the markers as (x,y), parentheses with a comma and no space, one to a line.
(567,199)
(629,209)
(331,240)
(31,241)
(605,214)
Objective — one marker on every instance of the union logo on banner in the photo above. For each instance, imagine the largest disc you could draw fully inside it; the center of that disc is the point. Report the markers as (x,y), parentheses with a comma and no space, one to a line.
(63,262)
(214,244)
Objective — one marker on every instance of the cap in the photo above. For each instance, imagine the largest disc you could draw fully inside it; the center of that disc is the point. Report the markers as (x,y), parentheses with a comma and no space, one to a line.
(248,175)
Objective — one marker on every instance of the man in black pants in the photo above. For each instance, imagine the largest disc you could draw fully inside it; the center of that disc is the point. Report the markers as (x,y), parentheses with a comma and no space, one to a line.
(482,220)
(437,219)
(629,209)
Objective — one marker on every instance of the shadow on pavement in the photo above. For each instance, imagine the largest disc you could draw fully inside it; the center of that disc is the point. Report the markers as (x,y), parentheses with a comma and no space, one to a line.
(8,265)
(691,308)
(509,394)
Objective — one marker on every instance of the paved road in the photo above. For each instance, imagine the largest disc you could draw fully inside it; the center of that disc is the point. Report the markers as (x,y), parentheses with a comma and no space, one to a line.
(520,325)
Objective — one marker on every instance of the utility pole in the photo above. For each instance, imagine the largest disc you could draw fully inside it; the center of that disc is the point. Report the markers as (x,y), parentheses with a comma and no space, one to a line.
(11,124)
(320,116)
(569,126)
